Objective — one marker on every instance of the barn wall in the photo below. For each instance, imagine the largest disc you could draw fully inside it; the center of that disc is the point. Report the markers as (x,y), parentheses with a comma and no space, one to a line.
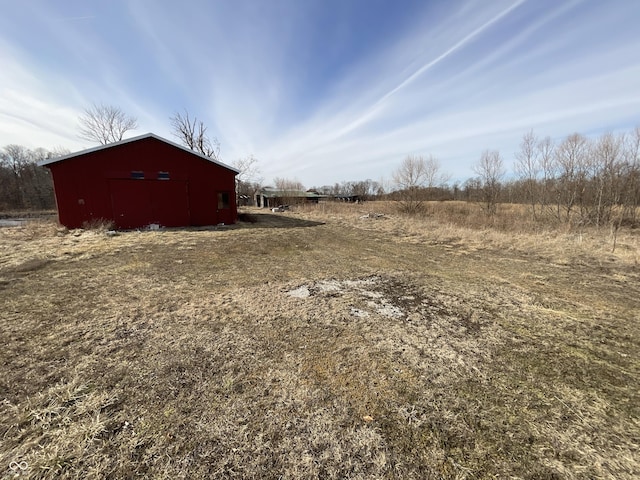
(100,185)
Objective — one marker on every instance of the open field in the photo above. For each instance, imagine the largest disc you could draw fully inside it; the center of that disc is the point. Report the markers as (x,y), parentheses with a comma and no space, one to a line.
(319,344)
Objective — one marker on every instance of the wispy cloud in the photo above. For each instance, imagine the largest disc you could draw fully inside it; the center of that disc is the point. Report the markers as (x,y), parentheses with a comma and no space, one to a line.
(328,91)
(484,96)
(378,105)
(75,19)
(29,112)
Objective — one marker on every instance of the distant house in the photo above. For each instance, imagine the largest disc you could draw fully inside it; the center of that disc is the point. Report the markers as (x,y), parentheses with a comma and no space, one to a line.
(269,197)
(143,181)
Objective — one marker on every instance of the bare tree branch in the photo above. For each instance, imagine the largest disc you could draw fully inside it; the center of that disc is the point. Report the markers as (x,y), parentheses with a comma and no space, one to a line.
(412,177)
(249,180)
(289,189)
(490,169)
(249,170)
(105,124)
(527,166)
(193,134)
(24,184)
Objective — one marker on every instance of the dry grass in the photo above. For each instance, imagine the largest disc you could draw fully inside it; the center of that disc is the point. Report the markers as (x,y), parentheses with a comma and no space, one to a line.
(319,344)
(462,225)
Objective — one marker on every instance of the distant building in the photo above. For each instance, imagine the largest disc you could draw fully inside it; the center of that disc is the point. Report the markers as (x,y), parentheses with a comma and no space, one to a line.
(347,198)
(143,181)
(269,197)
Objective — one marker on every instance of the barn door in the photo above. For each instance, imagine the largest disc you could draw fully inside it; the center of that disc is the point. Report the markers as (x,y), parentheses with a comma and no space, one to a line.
(138,203)
(224,208)
(170,203)
(131,203)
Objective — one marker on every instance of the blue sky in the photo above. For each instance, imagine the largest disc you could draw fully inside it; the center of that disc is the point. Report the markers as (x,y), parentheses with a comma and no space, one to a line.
(325,90)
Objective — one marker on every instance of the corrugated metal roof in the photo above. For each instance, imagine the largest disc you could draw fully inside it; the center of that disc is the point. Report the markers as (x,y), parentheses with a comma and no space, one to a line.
(134,139)
(273,193)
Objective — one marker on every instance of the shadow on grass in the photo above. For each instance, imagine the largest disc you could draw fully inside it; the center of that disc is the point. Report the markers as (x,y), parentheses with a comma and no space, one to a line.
(272,220)
(259,220)
(245,220)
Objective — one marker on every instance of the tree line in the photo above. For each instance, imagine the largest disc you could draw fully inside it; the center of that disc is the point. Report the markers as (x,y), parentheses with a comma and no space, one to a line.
(24,185)
(575,180)
(362,189)
(572,180)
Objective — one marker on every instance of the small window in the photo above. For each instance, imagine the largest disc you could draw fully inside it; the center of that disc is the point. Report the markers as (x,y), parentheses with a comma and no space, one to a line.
(163,175)
(223,200)
(137,175)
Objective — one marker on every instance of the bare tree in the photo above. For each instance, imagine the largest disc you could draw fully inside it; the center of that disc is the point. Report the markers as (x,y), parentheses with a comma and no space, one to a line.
(631,197)
(364,189)
(471,189)
(410,178)
(572,158)
(249,180)
(324,190)
(490,170)
(434,176)
(105,124)
(23,183)
(289,190)
(528,167)
(193,134)
(13,159)
(546,155)
(249,169)
(606,179)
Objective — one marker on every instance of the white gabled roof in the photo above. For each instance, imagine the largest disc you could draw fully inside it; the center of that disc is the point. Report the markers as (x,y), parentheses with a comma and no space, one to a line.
(134,139)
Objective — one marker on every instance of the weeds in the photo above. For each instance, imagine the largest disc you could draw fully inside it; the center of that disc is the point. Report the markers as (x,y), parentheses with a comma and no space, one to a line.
(98,225)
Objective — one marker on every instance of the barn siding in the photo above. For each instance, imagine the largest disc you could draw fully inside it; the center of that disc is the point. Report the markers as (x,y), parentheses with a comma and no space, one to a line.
(98,185)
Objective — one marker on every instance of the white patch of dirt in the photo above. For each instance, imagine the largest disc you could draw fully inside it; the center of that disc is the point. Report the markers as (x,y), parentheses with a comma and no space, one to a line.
(391,311)
(329,286)
(300,292)
(356,312)
(366,290)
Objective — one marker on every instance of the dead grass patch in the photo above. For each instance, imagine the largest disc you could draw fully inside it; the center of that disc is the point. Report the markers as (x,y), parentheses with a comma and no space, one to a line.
(461,227)
(317,345)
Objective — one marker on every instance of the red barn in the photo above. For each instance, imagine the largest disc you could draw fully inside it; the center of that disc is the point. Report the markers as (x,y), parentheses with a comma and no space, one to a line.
(143,181)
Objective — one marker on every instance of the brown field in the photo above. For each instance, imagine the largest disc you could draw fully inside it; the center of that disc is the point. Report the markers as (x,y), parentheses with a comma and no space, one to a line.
(320,343)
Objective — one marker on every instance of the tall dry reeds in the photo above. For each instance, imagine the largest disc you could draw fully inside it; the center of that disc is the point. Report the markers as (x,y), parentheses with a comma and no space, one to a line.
(512,227)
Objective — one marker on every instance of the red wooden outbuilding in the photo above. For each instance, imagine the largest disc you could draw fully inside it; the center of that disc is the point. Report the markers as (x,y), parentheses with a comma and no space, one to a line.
(141,181)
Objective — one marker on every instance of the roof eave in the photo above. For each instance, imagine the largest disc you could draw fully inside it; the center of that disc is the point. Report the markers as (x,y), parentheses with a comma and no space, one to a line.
(87,151)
